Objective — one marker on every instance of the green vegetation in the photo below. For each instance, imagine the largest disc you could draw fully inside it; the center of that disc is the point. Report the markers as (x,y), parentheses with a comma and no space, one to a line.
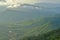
(48,30)
(53,35)
(35,29)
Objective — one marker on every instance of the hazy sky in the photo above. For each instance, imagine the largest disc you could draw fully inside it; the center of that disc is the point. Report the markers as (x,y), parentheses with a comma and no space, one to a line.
(18,2)
(54,1)
(32,1)
(51,1)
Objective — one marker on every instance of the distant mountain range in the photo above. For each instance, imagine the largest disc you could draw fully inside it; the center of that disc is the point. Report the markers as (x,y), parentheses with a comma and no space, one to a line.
(30,11)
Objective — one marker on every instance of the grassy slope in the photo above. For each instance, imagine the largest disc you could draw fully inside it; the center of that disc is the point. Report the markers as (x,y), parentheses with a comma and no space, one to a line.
(51,23)
(32,27)
(53,35)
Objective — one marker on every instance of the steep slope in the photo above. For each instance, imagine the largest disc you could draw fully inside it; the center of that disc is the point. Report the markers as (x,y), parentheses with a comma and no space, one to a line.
(53,35)
(29,27)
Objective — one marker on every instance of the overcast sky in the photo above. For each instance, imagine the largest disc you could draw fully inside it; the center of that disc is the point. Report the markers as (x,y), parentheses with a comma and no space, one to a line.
(51,1)
(11,2)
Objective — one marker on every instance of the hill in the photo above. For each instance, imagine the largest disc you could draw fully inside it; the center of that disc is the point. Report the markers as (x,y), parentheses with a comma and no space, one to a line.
(52,35)
(28,20)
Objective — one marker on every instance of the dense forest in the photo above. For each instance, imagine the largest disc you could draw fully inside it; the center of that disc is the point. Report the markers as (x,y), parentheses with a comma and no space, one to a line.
(52,35)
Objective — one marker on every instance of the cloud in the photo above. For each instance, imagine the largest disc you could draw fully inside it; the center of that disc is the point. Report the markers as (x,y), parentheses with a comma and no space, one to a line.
(15,3)
(2,3)
(32,1)
(21,1)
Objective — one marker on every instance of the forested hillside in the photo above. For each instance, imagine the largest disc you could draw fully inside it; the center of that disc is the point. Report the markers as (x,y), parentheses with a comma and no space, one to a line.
(53,35)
